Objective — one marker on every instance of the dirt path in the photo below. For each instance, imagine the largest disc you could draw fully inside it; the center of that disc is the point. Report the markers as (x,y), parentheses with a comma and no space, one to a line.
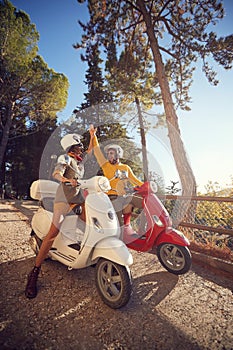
(165,312)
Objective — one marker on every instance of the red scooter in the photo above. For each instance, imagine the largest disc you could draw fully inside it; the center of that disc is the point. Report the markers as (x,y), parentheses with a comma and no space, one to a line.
(154,232)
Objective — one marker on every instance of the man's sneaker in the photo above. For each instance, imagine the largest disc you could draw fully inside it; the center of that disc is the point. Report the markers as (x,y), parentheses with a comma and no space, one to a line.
(31,288)
(129,235)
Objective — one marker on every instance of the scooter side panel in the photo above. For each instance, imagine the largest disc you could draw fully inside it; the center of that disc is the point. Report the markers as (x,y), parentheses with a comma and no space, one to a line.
(61,252)
(101,219)
(84,258)
(113,249)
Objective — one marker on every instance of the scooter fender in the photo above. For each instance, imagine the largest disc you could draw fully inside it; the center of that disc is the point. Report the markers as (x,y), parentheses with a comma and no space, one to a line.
(172,236)
(113,249)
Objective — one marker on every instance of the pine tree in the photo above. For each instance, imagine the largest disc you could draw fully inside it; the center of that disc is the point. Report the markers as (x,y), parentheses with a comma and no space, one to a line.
(133,86)
(175,32)
(99,109)
(31,93)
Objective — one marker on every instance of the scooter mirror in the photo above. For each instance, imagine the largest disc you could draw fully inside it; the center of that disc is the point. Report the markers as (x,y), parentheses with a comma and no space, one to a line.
(153,186)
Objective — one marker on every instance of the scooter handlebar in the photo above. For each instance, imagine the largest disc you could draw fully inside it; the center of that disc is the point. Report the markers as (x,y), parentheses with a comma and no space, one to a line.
(130,190)
(147,187)
(94,184)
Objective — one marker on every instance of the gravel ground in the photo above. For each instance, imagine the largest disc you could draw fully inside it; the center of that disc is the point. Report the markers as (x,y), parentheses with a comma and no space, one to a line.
(165,311)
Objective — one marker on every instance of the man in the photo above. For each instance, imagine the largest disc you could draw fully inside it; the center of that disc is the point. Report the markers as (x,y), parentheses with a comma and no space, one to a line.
(68,170)
(122,205)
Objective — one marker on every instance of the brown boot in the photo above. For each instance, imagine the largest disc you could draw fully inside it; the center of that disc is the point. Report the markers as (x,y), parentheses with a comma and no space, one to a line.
(31,289)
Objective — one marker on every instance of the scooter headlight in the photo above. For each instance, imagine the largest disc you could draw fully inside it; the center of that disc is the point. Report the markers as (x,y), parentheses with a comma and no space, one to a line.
(104,184)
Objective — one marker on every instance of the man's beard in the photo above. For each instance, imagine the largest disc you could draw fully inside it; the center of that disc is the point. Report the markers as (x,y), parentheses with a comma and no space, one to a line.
(113,161)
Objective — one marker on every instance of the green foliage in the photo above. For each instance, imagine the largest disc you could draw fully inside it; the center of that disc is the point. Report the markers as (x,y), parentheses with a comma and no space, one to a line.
(182,31)
(214,214)
(211,210)
(23,159)
(23,72)
(100,110)
(176,34)
(31,93)
(130,77)
(18,39)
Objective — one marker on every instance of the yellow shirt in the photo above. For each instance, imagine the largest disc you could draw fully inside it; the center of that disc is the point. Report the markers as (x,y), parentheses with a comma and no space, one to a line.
(109,170)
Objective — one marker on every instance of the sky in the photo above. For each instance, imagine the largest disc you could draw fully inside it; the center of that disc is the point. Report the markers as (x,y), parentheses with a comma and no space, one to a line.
(206,131)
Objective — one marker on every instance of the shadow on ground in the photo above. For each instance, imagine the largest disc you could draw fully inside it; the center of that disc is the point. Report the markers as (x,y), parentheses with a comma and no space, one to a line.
(68,312)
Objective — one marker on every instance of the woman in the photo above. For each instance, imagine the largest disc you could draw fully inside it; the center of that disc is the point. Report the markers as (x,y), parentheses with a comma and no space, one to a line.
(68,169)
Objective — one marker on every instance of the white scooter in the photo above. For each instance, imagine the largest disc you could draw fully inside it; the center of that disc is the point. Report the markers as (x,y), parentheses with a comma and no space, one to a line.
(80,244)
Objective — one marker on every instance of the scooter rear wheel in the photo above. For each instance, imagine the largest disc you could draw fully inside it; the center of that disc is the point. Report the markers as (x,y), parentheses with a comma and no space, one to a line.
(175,258)
(113,282)
(35,242)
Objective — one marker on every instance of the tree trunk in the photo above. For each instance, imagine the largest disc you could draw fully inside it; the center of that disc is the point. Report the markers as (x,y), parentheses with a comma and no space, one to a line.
(143,141)
(187,178)
(6,132)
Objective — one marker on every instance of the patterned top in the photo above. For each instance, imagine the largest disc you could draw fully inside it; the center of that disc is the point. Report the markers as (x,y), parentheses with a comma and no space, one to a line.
(71,169)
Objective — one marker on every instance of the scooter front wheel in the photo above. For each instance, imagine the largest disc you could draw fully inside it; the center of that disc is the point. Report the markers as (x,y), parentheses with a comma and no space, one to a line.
(113,282)
(175,258)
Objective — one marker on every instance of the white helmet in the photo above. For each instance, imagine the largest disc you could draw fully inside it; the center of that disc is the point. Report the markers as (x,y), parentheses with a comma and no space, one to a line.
(117,148)
(71,140)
